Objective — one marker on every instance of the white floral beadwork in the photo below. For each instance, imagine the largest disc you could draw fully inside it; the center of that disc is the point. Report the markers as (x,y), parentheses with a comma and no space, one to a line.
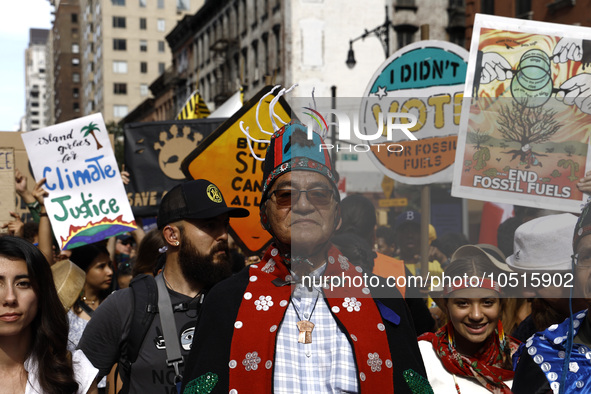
(264,303)
(252,361)
(269,267)
(375,362)
(343,262)
(351,304)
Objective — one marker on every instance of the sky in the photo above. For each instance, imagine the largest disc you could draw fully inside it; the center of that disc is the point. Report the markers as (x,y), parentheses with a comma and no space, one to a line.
(16,18)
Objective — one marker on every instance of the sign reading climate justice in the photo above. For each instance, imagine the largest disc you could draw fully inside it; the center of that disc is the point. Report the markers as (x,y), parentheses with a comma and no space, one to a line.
(87,200)
(524,133)
(425,79)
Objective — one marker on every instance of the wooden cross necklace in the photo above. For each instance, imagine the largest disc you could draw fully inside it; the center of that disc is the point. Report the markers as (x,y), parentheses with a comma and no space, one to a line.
(305,326)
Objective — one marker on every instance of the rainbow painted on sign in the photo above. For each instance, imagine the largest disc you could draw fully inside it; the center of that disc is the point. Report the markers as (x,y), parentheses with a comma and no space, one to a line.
(94,232)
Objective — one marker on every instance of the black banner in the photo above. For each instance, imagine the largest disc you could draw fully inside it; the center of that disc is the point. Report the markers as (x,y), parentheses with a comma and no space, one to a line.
(154,152)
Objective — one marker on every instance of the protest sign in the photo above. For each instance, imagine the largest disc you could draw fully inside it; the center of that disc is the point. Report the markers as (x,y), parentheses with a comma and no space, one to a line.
(7,186)
(87,201)
(226,159)
(524,131)
(425,79)
(154,152)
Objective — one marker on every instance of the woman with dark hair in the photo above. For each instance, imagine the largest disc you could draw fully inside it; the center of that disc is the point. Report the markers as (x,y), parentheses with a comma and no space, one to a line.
(33,327)
(94,259)
(471,353)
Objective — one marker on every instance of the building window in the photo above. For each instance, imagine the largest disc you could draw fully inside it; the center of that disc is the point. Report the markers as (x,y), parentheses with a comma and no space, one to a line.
(119,111)
(34,104)
(119,22)
(487,7)
(119,88)
(161,46)
(183,5)
(76,77)
(405,34)
(75,48)
(276,35)
(75,61)
(160,4)
(143,90)
(118,2)
(75,92)
(119,44)
(143,46)
(120,67)
(143,67)
(523,9)
(76,107)
(143,24)
(161,25)
(74,18)
(143,3)
(161,68)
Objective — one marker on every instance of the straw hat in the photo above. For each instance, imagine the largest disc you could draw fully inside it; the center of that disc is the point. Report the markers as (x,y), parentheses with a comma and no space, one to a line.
(69,280)
(544,244)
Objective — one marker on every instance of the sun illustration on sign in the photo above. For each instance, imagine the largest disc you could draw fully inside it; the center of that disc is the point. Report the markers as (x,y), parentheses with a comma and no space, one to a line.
(173,147)
(90,129)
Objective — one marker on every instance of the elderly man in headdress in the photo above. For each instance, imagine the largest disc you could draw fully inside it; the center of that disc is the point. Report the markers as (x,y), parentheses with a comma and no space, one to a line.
(276,327)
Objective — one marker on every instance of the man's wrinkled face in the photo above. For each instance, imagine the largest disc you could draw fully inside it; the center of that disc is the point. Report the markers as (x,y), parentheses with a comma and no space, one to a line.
(302,211)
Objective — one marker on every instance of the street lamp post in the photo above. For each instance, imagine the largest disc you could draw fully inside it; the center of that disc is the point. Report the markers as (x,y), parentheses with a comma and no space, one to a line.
(382,32)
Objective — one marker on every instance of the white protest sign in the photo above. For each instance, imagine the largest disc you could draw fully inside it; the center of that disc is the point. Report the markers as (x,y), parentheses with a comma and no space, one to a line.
(87,200)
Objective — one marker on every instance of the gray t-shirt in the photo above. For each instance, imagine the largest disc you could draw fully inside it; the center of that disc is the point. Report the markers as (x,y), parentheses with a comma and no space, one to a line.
(104,334)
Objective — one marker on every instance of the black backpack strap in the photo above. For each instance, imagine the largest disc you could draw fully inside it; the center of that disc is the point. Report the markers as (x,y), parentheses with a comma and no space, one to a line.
(144,307)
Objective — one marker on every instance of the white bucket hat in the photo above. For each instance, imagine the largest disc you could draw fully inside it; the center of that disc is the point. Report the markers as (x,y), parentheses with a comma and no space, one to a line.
(544,244)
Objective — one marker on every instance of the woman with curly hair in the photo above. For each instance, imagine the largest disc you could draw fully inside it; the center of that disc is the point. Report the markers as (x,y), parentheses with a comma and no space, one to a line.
(471,353)
(34,328)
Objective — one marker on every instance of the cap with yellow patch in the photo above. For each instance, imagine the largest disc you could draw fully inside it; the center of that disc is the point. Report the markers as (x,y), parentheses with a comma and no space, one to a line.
(196,199)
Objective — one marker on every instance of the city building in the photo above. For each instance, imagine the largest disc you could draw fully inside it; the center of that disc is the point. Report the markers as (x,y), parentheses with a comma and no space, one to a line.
(64,80)
(122,50)
(35,80)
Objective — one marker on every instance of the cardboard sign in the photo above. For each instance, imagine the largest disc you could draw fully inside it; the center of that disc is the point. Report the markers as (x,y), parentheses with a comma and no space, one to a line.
(425,79)
(7,186)
(225,159)
(524,133)
(87,200)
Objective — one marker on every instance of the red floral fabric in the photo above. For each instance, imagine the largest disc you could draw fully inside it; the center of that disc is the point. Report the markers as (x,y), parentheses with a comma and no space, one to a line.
(491,366)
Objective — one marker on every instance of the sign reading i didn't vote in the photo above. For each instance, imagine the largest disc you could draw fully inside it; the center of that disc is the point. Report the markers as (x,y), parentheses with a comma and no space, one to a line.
(87,200)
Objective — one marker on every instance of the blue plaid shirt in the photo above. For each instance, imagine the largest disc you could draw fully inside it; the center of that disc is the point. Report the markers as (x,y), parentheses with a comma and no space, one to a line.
(327,365)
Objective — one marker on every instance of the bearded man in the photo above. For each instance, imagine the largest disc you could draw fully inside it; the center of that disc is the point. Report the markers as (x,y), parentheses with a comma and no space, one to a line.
(285,325)
(194,221)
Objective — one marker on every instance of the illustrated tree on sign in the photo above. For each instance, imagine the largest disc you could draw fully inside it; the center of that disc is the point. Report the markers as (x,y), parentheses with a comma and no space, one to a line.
(90,129)
(574,168)
(526,126)
(478,138)
(569,150)
(481,157)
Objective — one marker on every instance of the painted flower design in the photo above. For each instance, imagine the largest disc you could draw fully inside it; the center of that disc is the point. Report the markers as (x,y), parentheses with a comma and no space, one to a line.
(375,362)
(343,262)
(264,303)
(269,267)
(351,304)
(252,361)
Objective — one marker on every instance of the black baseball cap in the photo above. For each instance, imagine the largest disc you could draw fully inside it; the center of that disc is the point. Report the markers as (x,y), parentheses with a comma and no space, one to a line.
(196,199)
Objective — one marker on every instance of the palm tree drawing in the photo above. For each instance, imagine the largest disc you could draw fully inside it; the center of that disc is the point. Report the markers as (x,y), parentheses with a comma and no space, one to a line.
(90,130)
